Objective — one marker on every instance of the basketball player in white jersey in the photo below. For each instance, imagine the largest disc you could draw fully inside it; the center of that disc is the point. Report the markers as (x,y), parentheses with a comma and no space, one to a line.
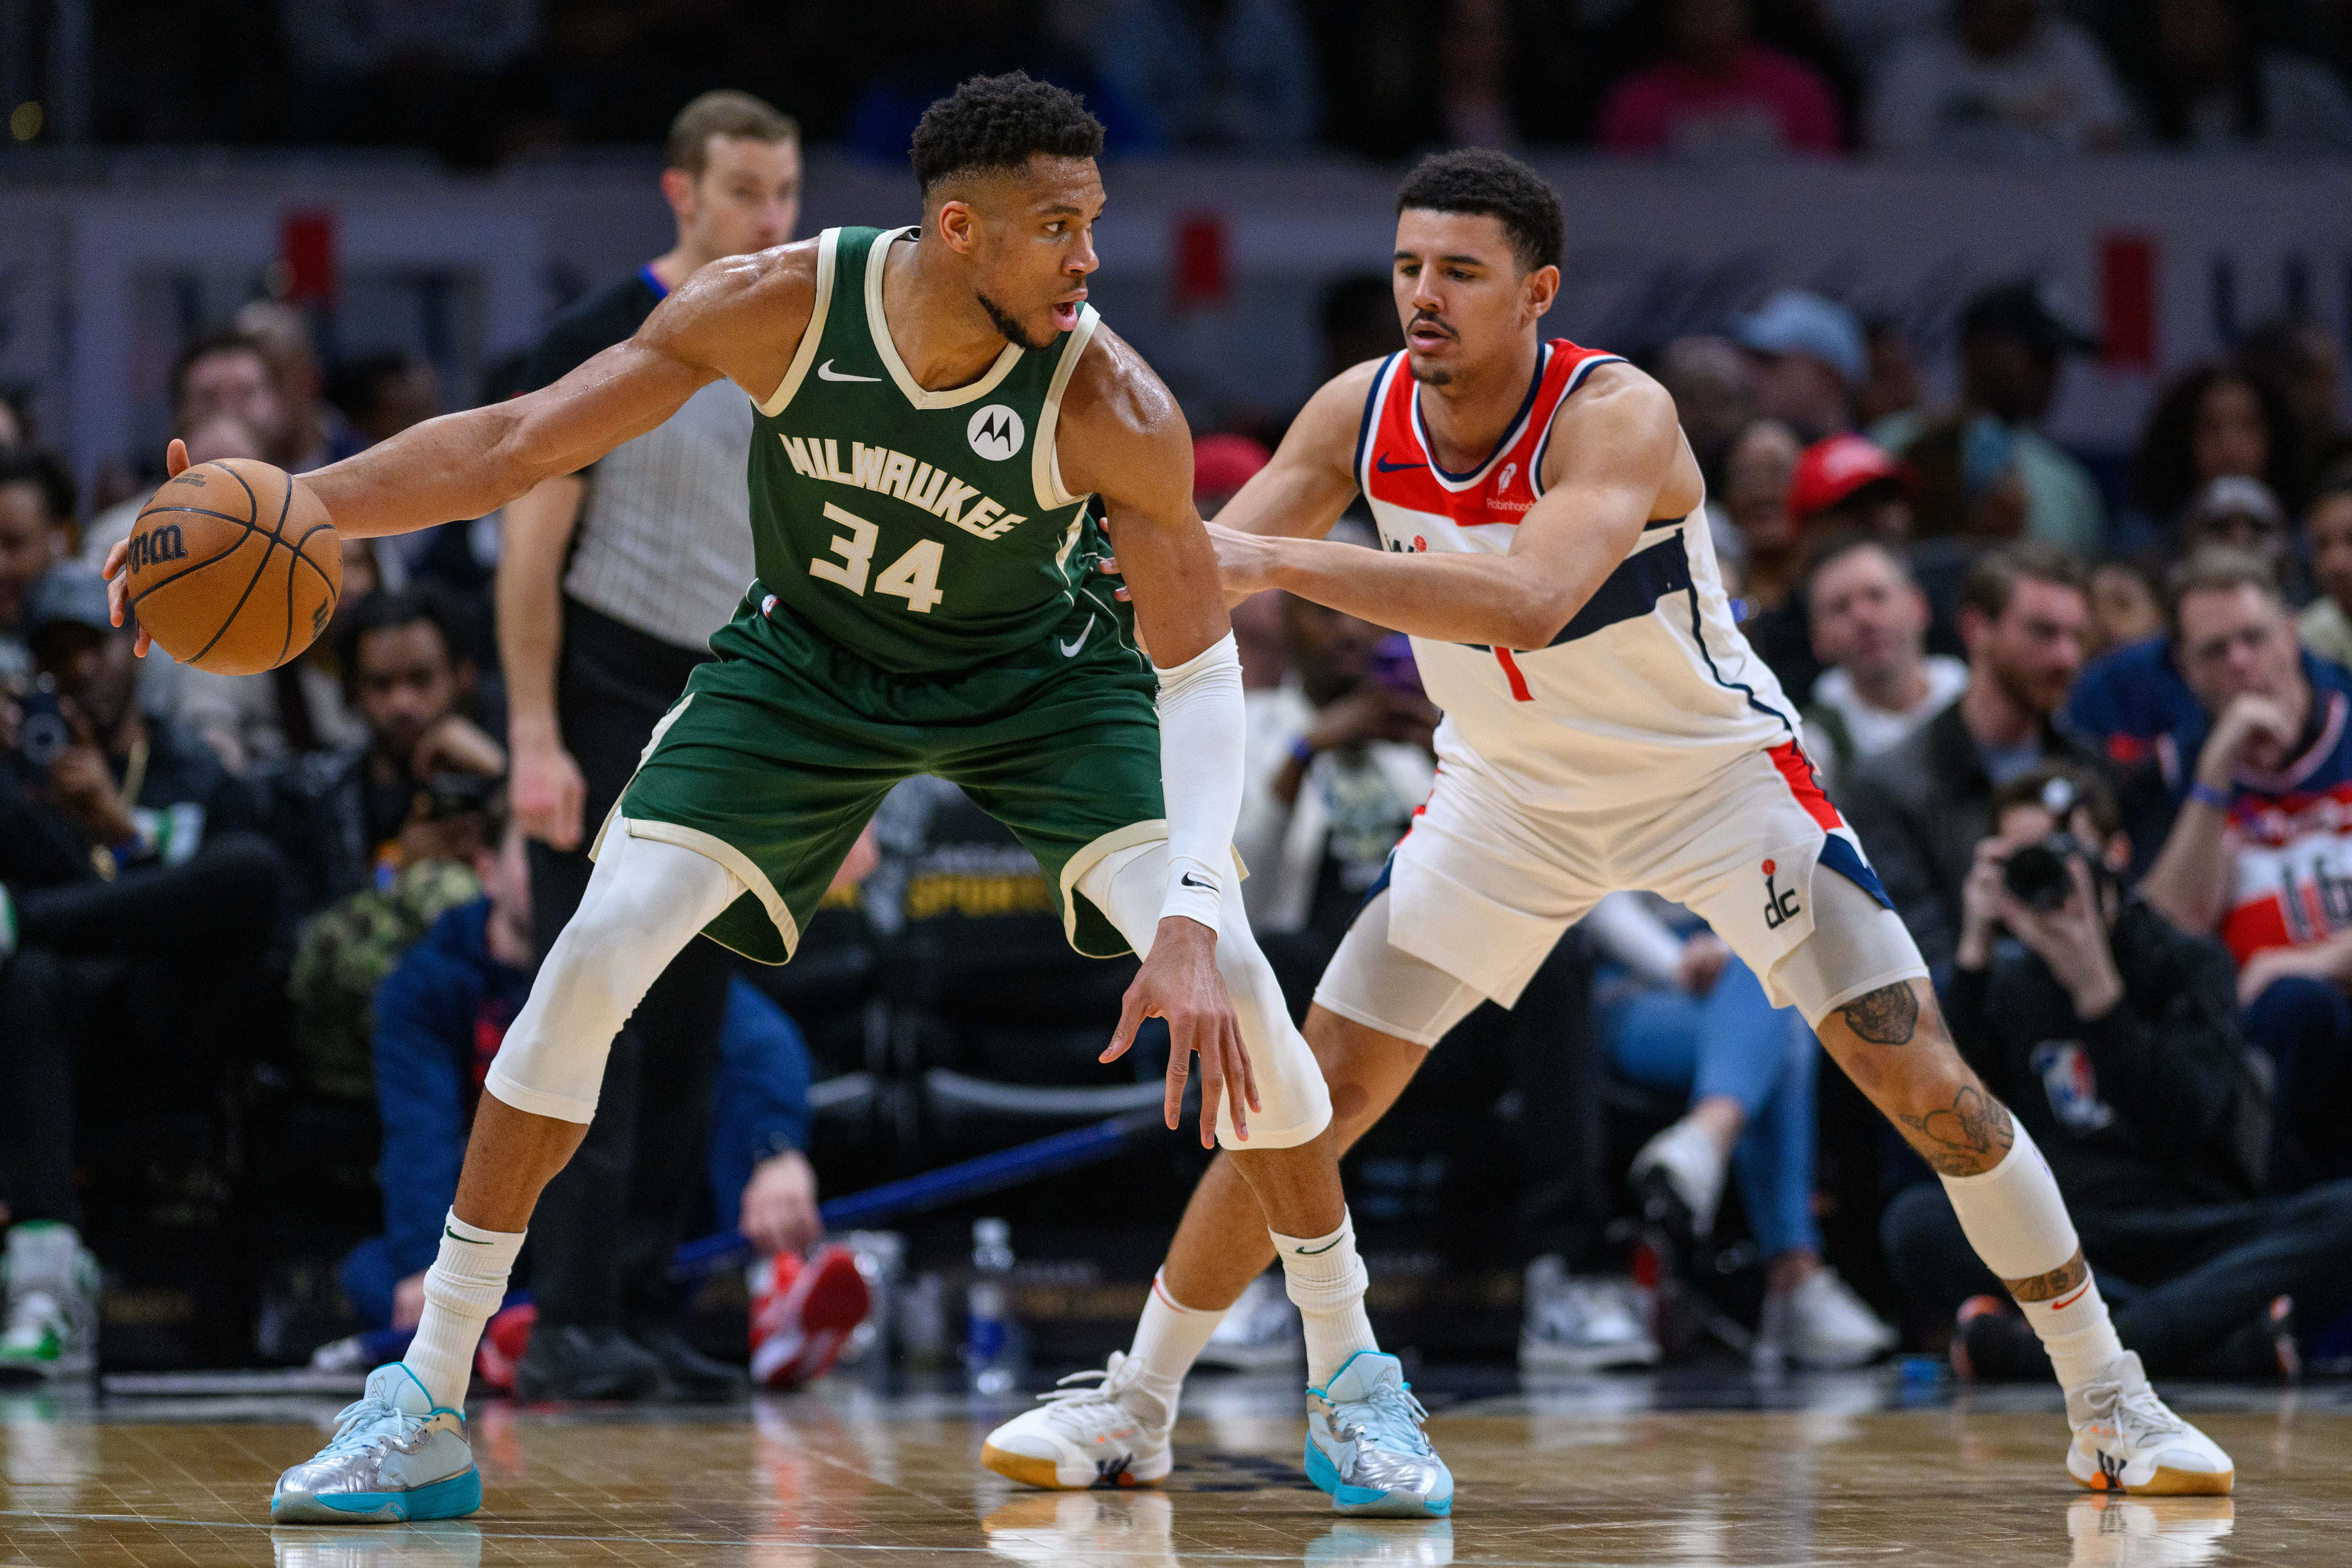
(1606,727)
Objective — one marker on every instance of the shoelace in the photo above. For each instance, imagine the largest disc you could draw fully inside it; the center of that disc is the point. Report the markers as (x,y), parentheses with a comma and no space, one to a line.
(2148,1416)
(1391,1418)
(1108,1381)
(361,1414)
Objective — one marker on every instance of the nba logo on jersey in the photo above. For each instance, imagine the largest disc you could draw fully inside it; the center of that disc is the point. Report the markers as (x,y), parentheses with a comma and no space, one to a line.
(2071,1084)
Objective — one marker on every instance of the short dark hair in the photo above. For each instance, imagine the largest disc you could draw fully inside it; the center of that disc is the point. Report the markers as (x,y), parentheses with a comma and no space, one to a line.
(2217,569)
(221,341)
(724,112)
(1993,580)
(2091,795)
(1000,122)
(1488,183)
(389,609)
(39,467)
(1836,546)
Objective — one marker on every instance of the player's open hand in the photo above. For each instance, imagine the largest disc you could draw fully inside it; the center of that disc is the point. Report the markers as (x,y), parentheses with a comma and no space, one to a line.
(118,582)
(1179,982)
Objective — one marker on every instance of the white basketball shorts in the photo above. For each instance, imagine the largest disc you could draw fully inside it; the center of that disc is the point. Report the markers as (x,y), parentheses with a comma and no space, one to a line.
(1481,890)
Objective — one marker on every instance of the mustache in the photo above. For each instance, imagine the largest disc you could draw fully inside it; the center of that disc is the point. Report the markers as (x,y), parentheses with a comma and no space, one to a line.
(1422,318)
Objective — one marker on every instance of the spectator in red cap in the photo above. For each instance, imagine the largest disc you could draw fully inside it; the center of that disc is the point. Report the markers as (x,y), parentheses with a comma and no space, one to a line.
(1221,465)
(1840,484)
(1848,482)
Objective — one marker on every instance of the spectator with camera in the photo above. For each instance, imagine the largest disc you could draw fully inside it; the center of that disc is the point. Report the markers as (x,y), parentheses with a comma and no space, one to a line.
(2112,1037)
(354,818)
(136,910)
(2249,738)
(1923,804)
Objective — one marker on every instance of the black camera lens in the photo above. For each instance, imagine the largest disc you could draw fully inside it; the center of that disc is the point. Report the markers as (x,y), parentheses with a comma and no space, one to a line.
(2036,875)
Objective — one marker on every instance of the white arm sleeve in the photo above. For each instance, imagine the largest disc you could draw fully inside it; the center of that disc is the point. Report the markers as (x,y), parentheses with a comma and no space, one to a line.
(1203,728)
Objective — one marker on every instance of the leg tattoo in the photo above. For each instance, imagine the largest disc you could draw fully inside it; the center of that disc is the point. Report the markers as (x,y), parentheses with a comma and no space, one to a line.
(2050,1285)
(1970,1136)
(1886,1016)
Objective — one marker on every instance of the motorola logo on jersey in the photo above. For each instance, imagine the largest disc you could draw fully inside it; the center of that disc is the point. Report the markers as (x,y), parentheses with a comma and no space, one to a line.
(995,433)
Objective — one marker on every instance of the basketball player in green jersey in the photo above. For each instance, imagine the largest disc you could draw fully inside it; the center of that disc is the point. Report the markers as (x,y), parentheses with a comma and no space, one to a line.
(935,405)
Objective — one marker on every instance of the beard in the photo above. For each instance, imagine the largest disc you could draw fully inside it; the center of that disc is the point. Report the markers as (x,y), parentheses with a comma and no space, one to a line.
(1429,374)
(2039,694)
(1012,330)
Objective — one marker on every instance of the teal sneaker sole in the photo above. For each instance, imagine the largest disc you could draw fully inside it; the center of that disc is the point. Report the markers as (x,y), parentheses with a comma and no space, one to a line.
(452,1499)
(1369,1503)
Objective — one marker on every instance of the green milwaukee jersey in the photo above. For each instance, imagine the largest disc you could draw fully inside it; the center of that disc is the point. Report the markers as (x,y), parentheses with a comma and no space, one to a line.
(927,602)
(927,533)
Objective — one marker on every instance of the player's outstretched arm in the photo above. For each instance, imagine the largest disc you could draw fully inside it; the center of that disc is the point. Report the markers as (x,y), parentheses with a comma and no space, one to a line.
(1124,438)
(740,318)
(1616,458)
(466,465)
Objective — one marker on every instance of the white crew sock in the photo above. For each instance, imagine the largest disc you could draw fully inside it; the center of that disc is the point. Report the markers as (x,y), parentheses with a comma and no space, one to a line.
(462,1290)
(1326,1278)
(2018,1223)
(1168,1339)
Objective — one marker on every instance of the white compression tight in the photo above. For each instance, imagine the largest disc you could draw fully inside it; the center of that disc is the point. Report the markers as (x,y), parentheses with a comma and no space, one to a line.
(646,899)
(1129,886)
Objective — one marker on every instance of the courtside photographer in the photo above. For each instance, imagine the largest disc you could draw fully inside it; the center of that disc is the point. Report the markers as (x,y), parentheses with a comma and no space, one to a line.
(2114,1038)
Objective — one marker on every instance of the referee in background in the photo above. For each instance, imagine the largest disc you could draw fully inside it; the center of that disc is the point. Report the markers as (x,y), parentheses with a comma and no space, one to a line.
(610,584)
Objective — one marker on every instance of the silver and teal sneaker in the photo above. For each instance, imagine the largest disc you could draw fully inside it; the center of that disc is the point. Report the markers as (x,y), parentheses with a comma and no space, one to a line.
(1364,1443)
(50,1331)
(396,1455)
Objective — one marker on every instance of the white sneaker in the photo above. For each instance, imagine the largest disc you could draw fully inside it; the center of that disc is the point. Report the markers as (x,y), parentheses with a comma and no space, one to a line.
(1086,1436)
(2166,1533)
(1084,1530)
(50,1328)
(1583,1323)
(1261,1332)
(1692,1167)
(2127,1440)
(1821,1324)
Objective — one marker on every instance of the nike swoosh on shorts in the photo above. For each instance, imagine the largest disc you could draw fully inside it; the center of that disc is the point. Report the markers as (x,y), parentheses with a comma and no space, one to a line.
(1070,650)
(827,372)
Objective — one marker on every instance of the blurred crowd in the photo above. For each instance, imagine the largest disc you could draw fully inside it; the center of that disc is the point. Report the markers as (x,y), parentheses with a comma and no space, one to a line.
(483,81)
(260,937)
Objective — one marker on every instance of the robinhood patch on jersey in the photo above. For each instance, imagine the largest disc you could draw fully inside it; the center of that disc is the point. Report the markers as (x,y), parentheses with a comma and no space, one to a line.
(894,473)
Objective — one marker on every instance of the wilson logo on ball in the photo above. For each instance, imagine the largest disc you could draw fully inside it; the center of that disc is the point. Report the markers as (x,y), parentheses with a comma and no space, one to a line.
(156,546)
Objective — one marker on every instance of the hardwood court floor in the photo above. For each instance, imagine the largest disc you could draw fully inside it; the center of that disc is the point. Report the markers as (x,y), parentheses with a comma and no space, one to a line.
(1604,1472)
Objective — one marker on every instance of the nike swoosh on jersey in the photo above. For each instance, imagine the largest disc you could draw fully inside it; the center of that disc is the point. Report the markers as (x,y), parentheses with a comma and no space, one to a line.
(1384,466)
(1070,650)
(827,372)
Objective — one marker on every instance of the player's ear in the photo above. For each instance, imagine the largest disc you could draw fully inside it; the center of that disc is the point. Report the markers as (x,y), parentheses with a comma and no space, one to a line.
(1542,286)
(958,225)
(678,190)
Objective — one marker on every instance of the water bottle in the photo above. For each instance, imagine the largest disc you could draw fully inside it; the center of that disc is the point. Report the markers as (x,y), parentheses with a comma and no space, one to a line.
(881,1259)
(988,1335)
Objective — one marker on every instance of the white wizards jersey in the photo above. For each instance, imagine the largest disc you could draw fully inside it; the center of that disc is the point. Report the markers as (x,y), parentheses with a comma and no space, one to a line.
(1646,691)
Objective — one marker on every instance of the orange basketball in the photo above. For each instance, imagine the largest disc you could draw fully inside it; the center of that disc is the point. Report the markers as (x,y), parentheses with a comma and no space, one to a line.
(233,569)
